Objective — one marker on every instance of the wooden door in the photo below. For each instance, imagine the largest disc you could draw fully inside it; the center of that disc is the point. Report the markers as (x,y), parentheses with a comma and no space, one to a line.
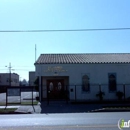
(55,89)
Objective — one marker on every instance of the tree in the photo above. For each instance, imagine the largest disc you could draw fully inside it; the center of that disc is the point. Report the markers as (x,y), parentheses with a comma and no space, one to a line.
(24,82)
(119,94)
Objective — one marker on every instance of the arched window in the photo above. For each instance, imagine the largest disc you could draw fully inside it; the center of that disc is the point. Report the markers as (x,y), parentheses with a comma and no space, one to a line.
(112,82)
(85,83)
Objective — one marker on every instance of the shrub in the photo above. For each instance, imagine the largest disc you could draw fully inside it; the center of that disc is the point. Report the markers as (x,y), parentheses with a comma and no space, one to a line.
(100,95)
(119,94)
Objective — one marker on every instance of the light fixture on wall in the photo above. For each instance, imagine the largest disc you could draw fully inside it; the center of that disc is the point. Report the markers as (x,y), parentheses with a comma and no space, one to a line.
(55,73)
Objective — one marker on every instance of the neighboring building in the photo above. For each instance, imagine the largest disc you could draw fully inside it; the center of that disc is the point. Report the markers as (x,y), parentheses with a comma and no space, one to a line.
(32,78)
(5,79)
(83,74)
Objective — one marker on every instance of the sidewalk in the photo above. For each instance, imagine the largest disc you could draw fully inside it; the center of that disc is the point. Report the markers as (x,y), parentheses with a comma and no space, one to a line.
(24,109)
(36,109)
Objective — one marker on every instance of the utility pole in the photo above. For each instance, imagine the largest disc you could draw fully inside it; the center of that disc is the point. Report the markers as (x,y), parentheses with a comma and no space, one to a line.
(9,67)
(10,74)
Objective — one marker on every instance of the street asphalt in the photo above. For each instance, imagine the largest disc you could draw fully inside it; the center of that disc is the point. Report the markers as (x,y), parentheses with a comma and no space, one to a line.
(64,121)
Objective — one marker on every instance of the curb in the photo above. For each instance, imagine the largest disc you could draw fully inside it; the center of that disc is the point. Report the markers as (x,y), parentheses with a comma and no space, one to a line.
(4,113)
(110,110)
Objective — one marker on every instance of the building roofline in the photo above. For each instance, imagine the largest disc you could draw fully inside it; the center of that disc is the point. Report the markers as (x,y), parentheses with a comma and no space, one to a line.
(83,58)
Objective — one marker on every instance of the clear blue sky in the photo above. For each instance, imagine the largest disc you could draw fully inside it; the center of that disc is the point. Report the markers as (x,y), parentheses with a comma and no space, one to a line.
(19,48)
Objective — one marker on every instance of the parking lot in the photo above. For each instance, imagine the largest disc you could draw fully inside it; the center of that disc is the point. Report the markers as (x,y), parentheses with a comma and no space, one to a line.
(25,96)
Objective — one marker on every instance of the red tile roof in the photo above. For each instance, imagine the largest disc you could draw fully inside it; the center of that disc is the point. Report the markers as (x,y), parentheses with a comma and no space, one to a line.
(83,58)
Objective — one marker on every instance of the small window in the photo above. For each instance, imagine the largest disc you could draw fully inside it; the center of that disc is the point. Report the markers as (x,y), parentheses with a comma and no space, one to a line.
(85,83)
(15,80)
(8,80)
(112,82)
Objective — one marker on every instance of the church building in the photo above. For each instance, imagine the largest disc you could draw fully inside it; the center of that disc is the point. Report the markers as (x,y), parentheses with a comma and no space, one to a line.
(82,76)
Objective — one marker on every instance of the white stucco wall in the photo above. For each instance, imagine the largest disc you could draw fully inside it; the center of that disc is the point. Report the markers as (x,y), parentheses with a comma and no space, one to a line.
(98,74)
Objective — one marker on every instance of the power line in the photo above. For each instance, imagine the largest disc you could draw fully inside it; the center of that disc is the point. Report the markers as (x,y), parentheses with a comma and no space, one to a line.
(63,30)
(19,66)
(23,66)
(18,69)
(23,69)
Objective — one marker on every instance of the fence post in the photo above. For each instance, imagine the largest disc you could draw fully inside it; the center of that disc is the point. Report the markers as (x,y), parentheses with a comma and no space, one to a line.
(32,96)
(6,96)
(20,94)
(124,90)
(75,94)
(32,99)
(99,87)
(66,95)
(48,95)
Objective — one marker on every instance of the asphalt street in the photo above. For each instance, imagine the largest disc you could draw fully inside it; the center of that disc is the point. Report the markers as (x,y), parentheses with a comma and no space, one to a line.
(70,121)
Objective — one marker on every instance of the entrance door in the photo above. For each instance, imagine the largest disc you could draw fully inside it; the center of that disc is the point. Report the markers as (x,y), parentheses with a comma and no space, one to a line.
(55,89)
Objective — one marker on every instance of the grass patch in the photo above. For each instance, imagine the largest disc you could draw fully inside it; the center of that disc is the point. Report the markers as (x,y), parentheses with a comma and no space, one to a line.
(7,109)
(18,103)
(2,104)
(117,107)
